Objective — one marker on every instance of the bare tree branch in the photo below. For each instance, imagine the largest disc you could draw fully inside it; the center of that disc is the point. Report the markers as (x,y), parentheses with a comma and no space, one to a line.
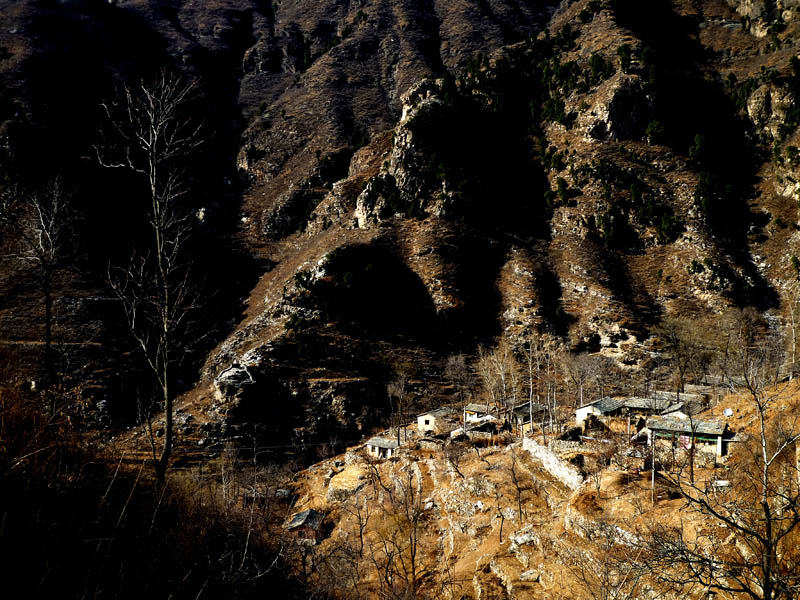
(149,135)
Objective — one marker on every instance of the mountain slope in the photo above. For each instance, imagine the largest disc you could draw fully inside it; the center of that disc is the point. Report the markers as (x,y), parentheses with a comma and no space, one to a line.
(388,183)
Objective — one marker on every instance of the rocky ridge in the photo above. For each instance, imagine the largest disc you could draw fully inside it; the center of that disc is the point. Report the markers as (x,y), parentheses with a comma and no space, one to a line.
(410,180)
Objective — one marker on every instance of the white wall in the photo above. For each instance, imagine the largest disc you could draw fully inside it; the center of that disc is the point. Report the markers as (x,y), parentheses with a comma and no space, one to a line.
(583,413)
(421,426)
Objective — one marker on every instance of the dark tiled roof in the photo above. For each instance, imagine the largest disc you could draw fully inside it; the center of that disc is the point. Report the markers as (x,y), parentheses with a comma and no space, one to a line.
(655,404)
(673,407)
(690,408)
(675,425)
(382,442)
(675,397)
(477,408)
(308,518)
(522,412)
(487,422)
(606,405)
(444,411)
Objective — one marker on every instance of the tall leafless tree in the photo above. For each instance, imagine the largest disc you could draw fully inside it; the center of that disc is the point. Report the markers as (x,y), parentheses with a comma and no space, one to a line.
(603,372)
(458,373)
(149,133)
(399,397)
(761,514)
(579,371)
(394,551)
(684,350)
(606,565)
(41,220)
(500,375)
(791,301)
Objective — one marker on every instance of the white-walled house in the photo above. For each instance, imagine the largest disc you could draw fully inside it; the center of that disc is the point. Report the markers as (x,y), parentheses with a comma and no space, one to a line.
(474,411)
(521,415)
(708,436)
(440,420)
(381,447)
(604,407)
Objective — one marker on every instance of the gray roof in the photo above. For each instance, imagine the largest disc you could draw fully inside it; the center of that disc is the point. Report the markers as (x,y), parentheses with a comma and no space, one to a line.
(308,518)
(655,404)
(606,405)
(675,425)
(486,422)
(522,412)
(382,442)
(477,408)
(443,411)
(675,397)
(690,408)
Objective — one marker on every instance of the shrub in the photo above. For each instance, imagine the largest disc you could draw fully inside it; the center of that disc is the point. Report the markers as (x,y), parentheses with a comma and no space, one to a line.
(654,132)
(705,193)
(600,69)
(697,149)
(669,228)
(793,155)
(554,110)
(625,54)
(695,267)
(562,190)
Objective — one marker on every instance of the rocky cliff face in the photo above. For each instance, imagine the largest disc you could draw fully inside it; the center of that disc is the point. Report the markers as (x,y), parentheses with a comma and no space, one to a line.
(395,181)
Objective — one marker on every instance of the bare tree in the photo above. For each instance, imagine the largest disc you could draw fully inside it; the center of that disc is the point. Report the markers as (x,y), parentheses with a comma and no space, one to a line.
(394,551)
(360,512)
(608,567)
(534,359)
(500,374)
(516,479)
(761,516)
(397,390)
(457,372)
(685,353)
(453,453)
(603,370)
(41,220)
(485,369)
(579,371)
(791,300)
(543,355)
(149,135)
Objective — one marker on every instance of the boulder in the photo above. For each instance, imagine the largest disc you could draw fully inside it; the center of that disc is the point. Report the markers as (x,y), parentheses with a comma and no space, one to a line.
(231,381)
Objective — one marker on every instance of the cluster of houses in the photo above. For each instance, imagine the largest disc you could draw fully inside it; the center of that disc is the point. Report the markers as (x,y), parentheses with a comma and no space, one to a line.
(658,418)
(475,421)
(663,418)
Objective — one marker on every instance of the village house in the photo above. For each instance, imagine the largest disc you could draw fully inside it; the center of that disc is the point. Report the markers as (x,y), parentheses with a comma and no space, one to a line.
(644,407)
(482,428)
(636,407)
(521,416)
(684,410)
(707,436)
(381,447)
(685,396)
(440,420)
(602,408)
(474,411)
(306,525)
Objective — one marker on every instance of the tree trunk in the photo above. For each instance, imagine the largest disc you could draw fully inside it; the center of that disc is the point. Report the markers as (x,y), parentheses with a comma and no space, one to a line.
(48,325)
(653,469)
(166,451)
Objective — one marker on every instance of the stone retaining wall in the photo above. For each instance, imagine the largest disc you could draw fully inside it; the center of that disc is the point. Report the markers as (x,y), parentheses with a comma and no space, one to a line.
(561,470)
